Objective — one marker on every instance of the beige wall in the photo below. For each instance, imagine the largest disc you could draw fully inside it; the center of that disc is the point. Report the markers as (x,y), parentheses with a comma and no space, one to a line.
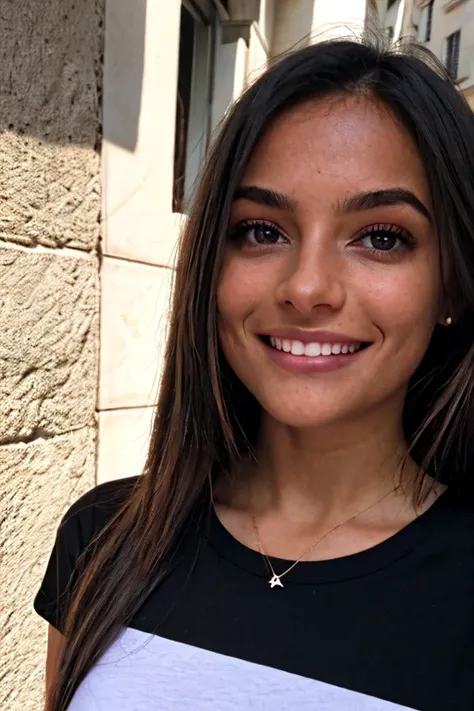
(448,17)
(445,22)
(50,83)
(140,231)
(402,17)
(344,17)
(301,22)
(293,24)
(392,16)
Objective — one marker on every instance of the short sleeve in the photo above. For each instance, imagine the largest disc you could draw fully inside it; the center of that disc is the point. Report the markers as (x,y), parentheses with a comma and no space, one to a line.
(74,532)
(78,527)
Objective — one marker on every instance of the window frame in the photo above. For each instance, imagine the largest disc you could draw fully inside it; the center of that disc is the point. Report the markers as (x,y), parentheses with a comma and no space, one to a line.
(204,15)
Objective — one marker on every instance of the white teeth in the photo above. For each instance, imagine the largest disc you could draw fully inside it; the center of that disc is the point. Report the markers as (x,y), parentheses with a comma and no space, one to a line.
(297,348)
(312,349)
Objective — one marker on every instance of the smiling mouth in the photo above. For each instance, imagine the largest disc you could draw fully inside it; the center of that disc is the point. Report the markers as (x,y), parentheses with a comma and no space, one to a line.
(314,349)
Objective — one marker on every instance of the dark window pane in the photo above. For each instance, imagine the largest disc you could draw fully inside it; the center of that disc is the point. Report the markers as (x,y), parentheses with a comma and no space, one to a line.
(452,53)
(185,72)
(429,21)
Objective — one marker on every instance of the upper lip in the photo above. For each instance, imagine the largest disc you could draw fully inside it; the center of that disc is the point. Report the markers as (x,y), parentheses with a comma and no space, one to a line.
(295,334)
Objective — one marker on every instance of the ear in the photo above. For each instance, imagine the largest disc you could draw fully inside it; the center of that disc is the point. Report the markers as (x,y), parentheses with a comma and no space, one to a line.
(447,311)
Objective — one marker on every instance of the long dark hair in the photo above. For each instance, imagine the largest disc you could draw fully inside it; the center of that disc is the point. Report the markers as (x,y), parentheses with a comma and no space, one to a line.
(205,418)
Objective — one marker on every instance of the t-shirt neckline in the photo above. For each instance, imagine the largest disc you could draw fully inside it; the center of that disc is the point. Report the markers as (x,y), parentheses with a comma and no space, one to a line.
(337,569)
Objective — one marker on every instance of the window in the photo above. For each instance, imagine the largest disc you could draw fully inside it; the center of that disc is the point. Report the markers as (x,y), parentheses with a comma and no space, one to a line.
(193,101)
(452,53)
(429,20)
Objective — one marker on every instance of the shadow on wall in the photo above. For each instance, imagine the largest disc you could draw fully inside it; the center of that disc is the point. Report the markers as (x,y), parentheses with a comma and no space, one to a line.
(52,64)
(123,70)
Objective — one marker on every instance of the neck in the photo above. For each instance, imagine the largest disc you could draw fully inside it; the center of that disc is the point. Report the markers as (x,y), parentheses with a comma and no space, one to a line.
(329,471)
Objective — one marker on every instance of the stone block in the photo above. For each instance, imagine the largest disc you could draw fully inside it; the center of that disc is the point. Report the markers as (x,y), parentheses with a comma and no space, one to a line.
(135,305)
(38,482)
(49,346)
(124,436)
(49,194)
(50,88)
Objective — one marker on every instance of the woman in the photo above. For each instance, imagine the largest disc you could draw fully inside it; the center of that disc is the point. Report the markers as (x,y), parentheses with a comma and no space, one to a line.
(303,535)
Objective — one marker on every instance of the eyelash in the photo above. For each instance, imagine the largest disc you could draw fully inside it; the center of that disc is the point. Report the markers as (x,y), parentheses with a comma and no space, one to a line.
(384,230)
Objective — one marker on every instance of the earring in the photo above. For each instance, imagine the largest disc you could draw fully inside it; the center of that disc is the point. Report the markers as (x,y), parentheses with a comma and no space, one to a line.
(448,321)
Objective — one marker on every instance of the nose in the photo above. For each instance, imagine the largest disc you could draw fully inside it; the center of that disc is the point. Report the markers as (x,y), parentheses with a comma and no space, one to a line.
(313,278)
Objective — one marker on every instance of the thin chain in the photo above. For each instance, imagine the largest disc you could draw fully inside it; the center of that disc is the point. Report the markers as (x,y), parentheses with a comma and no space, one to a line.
(313,546)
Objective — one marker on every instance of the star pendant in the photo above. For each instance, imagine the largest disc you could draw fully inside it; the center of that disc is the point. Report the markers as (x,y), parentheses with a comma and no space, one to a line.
(275,581)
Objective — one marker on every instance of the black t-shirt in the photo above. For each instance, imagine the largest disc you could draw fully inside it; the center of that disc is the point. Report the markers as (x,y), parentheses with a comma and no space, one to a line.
(391,627)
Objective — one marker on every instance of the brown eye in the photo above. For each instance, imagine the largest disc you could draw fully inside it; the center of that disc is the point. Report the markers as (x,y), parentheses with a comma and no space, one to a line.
(383,241)
(257,233)
(262,234)
(385,238)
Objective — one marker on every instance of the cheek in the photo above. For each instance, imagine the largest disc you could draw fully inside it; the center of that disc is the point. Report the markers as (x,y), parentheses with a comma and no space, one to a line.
(407,306)
(243,289)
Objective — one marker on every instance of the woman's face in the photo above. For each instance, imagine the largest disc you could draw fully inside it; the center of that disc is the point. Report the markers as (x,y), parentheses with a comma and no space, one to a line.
(330,287)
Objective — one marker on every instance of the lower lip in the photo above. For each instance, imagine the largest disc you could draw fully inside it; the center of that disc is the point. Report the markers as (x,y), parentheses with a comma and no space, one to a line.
(309,364)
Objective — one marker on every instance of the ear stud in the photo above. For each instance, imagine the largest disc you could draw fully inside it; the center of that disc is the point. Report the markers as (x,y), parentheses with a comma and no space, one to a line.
(448,321)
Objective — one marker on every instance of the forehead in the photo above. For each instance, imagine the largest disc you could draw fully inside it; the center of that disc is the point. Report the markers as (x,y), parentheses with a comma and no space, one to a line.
(334,146)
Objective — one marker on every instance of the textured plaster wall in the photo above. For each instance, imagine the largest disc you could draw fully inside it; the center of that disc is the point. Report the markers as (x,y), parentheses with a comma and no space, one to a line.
(50,95)
(50,57)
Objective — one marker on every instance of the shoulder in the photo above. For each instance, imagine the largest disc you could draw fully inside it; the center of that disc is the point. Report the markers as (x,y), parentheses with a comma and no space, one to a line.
(81,523)
(93,509)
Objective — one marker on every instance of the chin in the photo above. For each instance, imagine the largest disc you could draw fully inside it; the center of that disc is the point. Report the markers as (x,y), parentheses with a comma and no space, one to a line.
(309,415)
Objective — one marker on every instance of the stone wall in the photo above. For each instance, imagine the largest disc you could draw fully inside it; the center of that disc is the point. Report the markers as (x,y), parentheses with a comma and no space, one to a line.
(50,96)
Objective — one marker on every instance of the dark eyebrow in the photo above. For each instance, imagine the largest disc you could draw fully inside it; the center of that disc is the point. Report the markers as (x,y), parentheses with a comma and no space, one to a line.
(264,196)
(379,198)
(354,203)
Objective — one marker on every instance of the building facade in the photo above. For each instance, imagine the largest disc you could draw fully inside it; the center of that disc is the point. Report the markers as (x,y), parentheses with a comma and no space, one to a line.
(446,27)
(106,111)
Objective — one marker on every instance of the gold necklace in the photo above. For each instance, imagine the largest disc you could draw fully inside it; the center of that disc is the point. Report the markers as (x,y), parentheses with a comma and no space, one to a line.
(275,580)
